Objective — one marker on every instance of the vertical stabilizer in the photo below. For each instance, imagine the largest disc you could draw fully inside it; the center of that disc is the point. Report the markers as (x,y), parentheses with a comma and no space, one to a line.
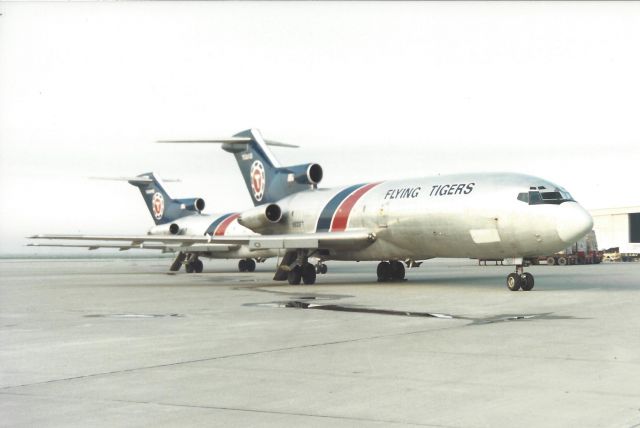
(162,207)
(265,179)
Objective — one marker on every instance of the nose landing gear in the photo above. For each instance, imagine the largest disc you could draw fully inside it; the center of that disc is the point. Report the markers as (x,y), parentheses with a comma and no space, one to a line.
(520,280)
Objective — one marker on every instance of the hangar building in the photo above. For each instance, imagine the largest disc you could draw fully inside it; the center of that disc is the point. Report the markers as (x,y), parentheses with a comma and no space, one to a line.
(618,227)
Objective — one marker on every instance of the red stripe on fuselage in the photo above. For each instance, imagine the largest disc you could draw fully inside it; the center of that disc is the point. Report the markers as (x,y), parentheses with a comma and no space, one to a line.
(341,217)
(222,227)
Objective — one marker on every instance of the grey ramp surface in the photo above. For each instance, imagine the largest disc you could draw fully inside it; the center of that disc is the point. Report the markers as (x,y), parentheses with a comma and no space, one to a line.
(121,343)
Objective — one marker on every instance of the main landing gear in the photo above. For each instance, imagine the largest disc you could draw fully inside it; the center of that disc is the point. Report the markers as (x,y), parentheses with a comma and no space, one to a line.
(305,273)
(321,268)
(247,265)
(520,280)
(390,271)
(194,265)
(298,269)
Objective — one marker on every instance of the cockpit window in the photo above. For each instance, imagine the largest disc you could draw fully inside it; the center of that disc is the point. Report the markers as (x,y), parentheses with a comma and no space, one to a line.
(540,195)
(551,196)
(534,197)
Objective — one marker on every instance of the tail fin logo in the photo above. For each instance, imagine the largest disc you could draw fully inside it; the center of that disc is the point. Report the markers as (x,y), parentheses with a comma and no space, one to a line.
(258,180)
(158,205)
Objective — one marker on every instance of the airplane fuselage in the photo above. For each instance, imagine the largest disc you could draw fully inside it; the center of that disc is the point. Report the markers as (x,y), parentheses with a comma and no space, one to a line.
(214,225)
(463,215)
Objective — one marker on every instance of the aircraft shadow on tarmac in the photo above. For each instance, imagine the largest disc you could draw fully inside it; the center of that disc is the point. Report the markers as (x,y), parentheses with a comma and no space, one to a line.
(309,304)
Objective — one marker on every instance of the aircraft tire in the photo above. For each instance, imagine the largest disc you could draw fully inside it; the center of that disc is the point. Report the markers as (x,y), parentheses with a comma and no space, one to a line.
(251,265)
(397,271)
(242,265)
(562,261)
(383,271)
(527,282)
(294,276)
(198,266)
(551,261)
(189,268)
(308,274)
(514,282)
(323,269)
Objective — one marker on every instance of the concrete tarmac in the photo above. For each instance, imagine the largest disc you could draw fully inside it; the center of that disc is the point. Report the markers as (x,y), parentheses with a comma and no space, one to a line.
(123,343)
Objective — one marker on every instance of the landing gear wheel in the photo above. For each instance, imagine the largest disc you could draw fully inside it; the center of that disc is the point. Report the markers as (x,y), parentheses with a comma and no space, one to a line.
(514,281)
(198,266)
(250,265)
(190,268)
(397,271)
(308,274)
(242,265)
(294,276)
(321,268)
(383,271)
(527,282)
(562,261)
(551,261)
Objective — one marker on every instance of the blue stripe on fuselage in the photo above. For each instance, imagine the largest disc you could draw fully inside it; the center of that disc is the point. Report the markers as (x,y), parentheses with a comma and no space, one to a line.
(216,222)
(324,221)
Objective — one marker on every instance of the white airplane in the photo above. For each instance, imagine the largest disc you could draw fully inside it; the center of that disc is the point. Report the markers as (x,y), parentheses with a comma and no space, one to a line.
(175,220)
(483,216)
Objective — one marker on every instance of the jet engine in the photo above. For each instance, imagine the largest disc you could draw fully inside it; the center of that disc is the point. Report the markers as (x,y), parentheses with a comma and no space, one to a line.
(191,204)
(261,217)
(165,229)
(309,173)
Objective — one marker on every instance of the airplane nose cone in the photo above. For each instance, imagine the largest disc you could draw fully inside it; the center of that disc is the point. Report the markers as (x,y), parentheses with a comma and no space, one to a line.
(573,222)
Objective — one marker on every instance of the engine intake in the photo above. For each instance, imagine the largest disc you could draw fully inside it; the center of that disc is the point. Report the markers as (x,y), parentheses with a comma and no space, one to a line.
(191,204)
(309,173)
(261,217)
(166,229)
(174,229)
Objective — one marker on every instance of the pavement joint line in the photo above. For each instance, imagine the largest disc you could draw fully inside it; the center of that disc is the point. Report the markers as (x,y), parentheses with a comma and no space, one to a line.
(434,381)
(291,348)
(234,409)
(222,357)
(276,412)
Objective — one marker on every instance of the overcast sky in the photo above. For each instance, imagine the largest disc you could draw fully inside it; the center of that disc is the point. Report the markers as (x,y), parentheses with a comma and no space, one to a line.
(369,90)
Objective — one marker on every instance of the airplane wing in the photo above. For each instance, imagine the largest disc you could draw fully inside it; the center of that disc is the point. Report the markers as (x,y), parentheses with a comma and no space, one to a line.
(121,247)
(351,239)
(304,241)
(166,243)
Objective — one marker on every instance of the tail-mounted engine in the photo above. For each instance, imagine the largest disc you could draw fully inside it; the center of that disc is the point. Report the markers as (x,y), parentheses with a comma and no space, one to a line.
(309,173)
(261,217)
(191,204)
(166,229)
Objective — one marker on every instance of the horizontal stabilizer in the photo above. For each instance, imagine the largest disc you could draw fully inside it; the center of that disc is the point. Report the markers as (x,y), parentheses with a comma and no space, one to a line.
(134,180)
(231,140)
